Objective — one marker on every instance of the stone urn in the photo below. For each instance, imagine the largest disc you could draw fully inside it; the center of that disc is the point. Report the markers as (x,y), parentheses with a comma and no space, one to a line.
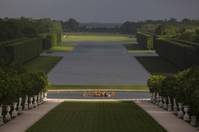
(193,120)
(8,116)
(20,106)
(1,116)
(45,96)
(169,104)
(26,103)
(175,107)
(30,105)
(160,102)
(157,99)
(180,112)
(165,104)
(35,101)
(186,114)
(14,111)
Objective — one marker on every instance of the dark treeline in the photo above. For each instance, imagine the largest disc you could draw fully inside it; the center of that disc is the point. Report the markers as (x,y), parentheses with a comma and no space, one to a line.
(186,29)
(27,27)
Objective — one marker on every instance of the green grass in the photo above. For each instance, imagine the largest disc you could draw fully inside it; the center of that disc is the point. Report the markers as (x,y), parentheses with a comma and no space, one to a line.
(65,48)
(42,64)
(81,37)
(157,65)
(93,87)
(97,117)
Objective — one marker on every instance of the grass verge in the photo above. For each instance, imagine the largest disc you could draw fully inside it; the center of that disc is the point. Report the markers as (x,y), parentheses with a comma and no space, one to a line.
(100,87)
(42,64)
(97,117)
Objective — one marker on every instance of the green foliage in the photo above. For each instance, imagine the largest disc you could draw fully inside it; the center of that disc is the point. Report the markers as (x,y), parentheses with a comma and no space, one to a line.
(16,83)
(155,82)
(182,55)
(145,40)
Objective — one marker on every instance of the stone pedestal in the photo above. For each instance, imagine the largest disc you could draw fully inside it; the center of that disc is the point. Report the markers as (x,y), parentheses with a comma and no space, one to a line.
(45,96)
(157,99)
(35,101)
(8,116)
(39,99)
(186,115)
(19,106)
(160,102)
(165,104)
(180,112)
(175,107)
(14,111)
(169,104)
(193,120)
(1,117)
(30,105)
(26,103)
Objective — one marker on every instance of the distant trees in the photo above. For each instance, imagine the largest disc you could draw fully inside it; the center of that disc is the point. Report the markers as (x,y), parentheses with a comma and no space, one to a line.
(27,27)
(71,25)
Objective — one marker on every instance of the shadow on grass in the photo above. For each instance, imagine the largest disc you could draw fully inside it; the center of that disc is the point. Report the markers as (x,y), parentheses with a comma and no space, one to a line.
(157,65)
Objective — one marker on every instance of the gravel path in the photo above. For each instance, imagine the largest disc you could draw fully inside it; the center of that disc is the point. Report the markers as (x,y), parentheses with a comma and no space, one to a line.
(98,64)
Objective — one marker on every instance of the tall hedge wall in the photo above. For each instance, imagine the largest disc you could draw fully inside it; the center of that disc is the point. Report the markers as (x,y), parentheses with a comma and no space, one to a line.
(180,54)
(145,40)
(21,51)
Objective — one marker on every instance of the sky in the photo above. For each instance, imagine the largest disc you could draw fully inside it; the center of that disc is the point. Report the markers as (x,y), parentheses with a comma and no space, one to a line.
(101,10)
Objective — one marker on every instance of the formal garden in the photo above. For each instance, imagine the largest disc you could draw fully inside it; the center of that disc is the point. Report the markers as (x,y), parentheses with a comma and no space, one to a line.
(167,51)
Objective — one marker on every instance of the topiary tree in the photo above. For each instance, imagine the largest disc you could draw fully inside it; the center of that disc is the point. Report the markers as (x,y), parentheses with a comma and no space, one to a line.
(154,83)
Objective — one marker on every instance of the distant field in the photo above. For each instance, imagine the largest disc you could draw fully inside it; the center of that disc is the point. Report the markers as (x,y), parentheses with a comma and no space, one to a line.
(89,37)
(42,64)
(97,117)
(99,87)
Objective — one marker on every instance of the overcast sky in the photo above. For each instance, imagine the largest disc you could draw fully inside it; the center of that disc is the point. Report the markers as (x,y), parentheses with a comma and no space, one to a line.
(101,10)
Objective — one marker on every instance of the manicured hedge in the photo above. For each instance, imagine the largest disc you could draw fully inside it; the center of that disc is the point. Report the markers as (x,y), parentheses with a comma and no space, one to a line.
(145,40)
(50,40)
(182,55)
(21,51)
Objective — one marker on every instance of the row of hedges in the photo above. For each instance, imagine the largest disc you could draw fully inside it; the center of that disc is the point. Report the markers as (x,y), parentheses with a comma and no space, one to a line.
(182,55)
(182,86)
(17,83)
(145,40)
(21,51)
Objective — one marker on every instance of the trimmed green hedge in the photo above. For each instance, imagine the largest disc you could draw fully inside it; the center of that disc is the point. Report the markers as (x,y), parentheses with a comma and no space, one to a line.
(145,40)
(21,51)
(50,40)
(182,55)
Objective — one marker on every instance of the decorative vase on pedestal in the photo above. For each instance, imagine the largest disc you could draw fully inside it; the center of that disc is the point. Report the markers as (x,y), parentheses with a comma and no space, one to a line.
(42,97)
(14,111)
(165,104)
(169,104)
(1,117)
(26,103)
(186,115)
(35,101)
(19,106)
(8,116)
(45,96)
(157,99)
(160,102)
(193,120)
(180,112)
(30,106)
(175,107)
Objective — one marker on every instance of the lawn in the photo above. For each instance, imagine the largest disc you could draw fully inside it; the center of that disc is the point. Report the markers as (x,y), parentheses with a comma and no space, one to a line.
(97,117)
(42,64)
(92,37)
(157,65)
(100,87)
